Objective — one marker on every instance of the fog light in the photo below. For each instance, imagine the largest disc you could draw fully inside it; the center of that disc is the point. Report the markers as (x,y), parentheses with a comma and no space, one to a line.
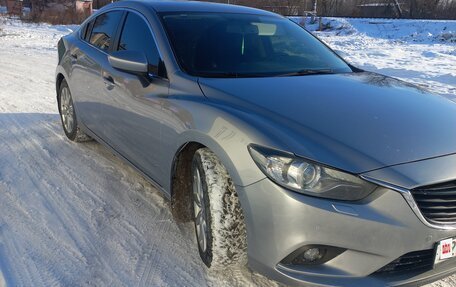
(312,255)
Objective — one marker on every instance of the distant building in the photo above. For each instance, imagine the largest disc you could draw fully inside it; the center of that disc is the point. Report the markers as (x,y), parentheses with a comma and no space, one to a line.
(60,11)
(84,7)
(14,7)
(57,6)
(375,9)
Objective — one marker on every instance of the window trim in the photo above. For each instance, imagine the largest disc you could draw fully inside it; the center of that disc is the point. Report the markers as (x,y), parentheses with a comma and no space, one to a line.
(88,31)
(83,30)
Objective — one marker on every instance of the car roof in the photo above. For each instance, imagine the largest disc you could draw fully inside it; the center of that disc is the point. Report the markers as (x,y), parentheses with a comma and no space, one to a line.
(169,6)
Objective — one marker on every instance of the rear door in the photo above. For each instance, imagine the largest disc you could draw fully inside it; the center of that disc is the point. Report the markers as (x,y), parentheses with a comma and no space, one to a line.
(89,58)
(134,114)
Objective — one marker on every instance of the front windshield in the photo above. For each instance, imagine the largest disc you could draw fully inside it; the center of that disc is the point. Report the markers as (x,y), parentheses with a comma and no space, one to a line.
(244,45)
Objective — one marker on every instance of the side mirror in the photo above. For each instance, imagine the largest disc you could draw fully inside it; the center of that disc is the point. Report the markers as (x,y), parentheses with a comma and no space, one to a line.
(129,61)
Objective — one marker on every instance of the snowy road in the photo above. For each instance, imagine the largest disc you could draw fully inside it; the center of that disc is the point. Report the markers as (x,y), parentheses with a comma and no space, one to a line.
(75,215)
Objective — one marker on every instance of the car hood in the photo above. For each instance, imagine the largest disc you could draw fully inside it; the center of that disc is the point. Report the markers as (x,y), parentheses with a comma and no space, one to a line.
(356,122)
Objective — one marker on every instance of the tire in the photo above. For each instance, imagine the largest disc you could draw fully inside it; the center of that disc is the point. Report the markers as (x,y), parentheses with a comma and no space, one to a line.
(68,115)
(223,241)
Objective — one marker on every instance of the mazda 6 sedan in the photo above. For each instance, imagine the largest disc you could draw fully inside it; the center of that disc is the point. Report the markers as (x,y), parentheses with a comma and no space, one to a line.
(286,157)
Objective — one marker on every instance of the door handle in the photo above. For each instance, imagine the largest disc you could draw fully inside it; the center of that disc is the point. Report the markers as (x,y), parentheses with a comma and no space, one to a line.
(74,58)
(108,81)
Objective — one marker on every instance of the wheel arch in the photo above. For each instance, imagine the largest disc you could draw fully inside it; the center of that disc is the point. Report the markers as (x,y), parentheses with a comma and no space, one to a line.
(60,75)
(58,81)
(180,185)
(228,139)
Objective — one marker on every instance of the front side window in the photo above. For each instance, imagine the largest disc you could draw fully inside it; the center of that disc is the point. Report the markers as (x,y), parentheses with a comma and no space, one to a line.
(237,45)
(136,36)
(104,29)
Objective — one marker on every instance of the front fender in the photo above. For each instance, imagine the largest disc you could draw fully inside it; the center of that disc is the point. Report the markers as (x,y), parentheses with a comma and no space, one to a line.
(225,130)
(230,144)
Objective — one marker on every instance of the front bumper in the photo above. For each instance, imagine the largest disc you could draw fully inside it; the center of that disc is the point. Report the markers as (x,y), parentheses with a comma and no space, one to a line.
(374,232)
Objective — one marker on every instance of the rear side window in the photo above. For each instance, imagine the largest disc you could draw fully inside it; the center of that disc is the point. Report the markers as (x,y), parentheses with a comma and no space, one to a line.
(104,29)
(137,36)
(85,31)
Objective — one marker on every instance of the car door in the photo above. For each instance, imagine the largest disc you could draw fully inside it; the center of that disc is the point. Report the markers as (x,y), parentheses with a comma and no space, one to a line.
(133,116)
(88,59)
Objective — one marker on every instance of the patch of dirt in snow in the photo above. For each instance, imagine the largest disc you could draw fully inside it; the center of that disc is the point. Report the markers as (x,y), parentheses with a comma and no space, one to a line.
(75,215)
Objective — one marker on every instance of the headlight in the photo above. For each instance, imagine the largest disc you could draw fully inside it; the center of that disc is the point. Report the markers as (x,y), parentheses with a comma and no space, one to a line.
(306,177)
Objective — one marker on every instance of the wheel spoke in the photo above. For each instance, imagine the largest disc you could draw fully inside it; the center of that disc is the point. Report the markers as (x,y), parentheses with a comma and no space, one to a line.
(64,97)
(199,210)
(70,123)
(65,121)
(203,237)
(67,97)
(196,196)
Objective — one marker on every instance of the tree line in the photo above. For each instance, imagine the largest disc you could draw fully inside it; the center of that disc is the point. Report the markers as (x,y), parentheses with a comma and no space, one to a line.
(414,9)
(44,10)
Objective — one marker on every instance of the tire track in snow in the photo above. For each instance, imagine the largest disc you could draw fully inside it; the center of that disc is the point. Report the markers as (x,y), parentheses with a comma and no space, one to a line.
(30,166)
(37,161)
(55,199)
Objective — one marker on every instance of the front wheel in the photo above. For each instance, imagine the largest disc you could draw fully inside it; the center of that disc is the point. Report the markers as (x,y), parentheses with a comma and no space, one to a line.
(219,221)
(68,115)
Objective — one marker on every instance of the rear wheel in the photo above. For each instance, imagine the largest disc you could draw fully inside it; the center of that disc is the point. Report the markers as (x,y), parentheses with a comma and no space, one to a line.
(68,115)
(219,221)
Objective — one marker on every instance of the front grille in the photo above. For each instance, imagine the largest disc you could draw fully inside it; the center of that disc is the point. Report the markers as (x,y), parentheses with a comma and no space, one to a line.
(437,202)
(418,261)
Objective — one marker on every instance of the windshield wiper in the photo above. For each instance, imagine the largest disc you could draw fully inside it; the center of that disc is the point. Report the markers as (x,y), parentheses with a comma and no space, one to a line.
(231,75)
(306,72)
(262,75)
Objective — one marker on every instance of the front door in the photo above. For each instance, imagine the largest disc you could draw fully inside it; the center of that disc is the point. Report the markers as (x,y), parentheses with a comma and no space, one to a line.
(134,113)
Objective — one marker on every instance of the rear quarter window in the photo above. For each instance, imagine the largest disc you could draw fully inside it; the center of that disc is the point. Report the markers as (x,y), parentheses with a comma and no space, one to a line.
(104,30)
(85,31)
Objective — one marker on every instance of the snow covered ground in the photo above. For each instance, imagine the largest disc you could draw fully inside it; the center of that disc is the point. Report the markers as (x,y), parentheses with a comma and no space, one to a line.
(75,215)
(422,52)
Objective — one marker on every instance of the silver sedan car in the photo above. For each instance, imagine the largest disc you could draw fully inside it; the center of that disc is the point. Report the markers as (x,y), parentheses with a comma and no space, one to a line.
(286,157)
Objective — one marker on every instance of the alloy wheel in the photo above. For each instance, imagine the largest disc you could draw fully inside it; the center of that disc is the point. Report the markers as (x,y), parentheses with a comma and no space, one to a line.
(67,110)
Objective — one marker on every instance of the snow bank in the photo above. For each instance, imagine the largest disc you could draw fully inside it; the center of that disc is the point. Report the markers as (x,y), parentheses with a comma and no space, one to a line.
(36,36)
(422,52)
(418,31)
